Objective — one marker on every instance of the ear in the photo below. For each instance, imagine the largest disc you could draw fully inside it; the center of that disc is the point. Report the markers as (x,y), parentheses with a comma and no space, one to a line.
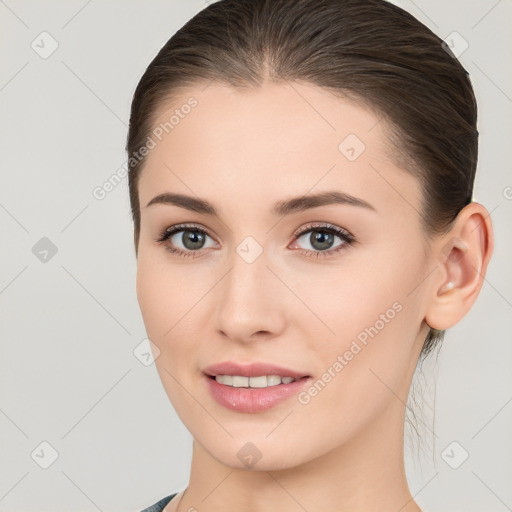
(462,255)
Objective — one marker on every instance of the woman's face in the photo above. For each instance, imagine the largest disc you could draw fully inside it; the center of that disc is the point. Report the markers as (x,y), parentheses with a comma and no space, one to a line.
(341,308)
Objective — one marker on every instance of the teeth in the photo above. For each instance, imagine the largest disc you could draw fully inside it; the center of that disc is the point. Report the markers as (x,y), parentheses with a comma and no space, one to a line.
(240,382)
(262,381)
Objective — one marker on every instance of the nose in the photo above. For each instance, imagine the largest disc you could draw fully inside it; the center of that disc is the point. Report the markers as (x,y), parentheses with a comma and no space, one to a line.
(250,300)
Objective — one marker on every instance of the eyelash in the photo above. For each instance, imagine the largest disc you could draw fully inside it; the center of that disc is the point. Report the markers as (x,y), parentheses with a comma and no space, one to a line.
(346,237)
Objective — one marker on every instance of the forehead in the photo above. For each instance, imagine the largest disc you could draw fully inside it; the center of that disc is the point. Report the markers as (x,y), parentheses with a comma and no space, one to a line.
(271,142)
(278,115)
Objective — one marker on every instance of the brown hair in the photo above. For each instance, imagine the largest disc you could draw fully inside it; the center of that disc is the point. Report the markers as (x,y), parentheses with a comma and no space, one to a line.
(371,51)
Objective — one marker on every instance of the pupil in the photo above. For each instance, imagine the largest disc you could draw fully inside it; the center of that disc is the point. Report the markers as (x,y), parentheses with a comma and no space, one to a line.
(324,239)
(195,238)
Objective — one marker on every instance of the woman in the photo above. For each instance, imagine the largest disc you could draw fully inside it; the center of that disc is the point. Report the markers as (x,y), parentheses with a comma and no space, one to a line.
(301,178)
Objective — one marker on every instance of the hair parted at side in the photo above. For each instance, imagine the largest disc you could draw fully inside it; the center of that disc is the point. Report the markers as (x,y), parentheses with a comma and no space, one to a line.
(373,52)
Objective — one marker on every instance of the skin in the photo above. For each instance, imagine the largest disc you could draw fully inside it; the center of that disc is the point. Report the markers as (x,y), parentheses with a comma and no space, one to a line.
(243,151)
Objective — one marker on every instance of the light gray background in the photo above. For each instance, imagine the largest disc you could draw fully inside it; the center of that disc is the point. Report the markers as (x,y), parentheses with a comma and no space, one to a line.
(69,326)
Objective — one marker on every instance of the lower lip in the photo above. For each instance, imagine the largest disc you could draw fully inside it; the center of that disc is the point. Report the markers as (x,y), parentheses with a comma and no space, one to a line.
(253,399)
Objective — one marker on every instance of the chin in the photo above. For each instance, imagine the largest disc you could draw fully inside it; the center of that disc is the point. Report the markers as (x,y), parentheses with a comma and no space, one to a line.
(258,455)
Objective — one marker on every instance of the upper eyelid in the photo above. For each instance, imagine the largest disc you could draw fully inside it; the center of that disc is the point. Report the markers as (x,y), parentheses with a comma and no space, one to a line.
(327,226)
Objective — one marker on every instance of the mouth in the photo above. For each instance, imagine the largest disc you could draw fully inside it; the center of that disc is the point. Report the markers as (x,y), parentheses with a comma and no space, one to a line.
(253,388)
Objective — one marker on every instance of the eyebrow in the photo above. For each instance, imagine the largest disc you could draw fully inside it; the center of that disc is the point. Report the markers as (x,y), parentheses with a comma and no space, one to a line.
(281,208)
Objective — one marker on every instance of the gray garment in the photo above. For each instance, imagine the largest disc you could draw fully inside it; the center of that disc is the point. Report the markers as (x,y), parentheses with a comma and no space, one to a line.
(160,505)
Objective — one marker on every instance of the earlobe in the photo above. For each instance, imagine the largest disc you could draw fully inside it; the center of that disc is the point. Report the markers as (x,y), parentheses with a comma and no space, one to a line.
(463,255)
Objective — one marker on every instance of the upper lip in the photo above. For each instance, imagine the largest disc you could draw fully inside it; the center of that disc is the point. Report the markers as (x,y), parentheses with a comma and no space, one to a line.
(251,370)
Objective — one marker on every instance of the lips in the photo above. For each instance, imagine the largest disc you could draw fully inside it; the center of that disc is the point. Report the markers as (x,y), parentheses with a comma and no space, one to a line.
(251,370)
(254,400)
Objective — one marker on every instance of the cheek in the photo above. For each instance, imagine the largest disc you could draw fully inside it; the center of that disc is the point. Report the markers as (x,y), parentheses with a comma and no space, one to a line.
(170,299)
(162,296)
(368,298)
(366,363)
(151,296)
(164,291)
(341,304)
(164,300)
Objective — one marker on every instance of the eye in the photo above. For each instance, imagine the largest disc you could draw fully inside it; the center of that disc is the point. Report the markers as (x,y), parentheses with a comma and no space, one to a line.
(322,237)
(192,239)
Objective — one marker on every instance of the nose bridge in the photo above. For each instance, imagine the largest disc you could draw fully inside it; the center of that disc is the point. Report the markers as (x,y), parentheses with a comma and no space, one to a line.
(245,301)
(247,279)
